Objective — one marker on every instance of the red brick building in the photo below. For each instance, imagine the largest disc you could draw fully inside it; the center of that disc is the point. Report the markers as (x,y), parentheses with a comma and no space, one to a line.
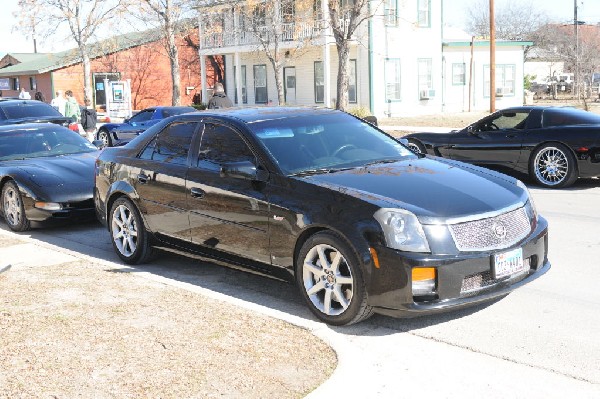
(139,57)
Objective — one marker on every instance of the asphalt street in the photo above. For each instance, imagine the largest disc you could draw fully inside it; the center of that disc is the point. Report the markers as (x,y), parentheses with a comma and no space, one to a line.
(540,341)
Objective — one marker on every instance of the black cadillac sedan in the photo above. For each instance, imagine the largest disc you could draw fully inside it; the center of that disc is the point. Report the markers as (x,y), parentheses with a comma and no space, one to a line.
(46,175)
(553,145)
(318,196)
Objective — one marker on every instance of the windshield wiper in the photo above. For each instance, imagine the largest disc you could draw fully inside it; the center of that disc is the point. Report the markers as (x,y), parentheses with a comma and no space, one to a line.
(320,171)
(381,161)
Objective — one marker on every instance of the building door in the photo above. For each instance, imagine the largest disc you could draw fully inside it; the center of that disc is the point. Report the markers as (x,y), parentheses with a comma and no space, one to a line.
(289,78)
(100,90)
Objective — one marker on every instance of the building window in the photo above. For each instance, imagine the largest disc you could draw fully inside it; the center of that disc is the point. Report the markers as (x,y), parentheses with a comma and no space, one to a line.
(319,82)
(260,84)
(244,86)
(15,84)
(505,80)
(458,74)
(424,13)
(352,97)
(317,10)
(32,83)
(425,78)
(392,79)
(390,12)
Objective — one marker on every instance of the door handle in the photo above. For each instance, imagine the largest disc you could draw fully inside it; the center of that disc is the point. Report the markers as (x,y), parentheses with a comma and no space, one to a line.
(143,178)
(197,193)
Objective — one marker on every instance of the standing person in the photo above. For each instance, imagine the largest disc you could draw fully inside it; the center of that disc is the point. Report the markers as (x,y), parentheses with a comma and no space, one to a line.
(59,102)
(89,119)
(219,98)
(40,96)
(73,111)
(24,94)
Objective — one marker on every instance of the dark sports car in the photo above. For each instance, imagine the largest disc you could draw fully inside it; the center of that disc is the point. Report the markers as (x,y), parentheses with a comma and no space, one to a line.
(119,133)
(46,174)
(31,111)
(553,145)
(360,222)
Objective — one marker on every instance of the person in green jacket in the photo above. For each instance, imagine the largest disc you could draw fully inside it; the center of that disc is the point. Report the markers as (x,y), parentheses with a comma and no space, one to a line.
(72,109)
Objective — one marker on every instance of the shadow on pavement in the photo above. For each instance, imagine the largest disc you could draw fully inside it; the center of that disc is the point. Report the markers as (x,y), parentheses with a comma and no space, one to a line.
(93,240)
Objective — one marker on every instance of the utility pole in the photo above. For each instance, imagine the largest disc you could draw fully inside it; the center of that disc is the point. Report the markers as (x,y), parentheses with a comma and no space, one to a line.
(576,29)
(492,58)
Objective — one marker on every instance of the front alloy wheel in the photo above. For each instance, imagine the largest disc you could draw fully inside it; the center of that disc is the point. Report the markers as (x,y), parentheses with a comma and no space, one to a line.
(105,137)
(330,280)
(129,237)
(13,209)
(553,166)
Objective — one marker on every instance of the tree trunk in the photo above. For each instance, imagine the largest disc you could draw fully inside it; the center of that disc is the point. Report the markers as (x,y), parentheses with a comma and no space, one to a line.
(87,77)
(343,50)
(174,60)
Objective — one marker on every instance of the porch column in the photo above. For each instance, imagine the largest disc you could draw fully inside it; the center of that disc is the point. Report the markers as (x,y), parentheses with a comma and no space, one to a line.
(326,55)
(238,78)
(202,59)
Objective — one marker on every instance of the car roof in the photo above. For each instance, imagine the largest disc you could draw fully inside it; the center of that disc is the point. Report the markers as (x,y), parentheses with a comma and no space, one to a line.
(259,114)
(20,101)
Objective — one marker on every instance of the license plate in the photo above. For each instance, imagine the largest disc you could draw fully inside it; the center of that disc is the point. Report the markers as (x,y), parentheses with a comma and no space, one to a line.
(507,263)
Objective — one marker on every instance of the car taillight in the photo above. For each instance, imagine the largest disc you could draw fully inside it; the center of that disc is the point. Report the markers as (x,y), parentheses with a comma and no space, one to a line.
(74,127)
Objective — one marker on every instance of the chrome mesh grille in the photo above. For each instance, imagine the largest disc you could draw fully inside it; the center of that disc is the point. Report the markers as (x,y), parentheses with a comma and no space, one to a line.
(496,232)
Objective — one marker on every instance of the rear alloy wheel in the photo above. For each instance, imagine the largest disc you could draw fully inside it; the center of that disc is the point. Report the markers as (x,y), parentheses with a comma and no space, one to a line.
(330,280)
(105,137)
(553,166)
(13,209)
(129,236)
(416,147)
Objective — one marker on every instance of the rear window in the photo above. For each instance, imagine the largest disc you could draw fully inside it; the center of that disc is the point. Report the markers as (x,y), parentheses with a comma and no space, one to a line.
(176,111)
(568,116)
(27,110)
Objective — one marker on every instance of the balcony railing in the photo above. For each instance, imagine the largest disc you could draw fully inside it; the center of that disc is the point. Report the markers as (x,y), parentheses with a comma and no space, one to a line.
(293,31)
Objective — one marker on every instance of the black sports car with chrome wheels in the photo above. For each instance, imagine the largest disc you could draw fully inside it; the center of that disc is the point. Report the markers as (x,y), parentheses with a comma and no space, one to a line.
(46,175)
(553,145)
(319,197)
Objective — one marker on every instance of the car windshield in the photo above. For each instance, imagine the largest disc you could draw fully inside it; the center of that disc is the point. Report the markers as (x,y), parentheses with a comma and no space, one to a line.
(27,110)
(325,143)
(24,143)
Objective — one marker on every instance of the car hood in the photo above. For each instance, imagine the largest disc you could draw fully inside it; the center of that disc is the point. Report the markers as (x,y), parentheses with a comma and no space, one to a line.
(60,171)
(433,189)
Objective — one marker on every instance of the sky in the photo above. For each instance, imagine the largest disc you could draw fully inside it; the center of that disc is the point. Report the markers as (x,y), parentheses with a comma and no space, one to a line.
(455,13)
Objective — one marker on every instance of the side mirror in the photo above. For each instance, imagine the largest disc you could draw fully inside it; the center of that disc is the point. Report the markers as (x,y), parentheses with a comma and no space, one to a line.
(98,143)
(243,170)
(404,142)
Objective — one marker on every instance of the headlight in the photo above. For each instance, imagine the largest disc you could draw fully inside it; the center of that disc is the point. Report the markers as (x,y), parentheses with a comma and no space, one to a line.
(402,230)
(530,205)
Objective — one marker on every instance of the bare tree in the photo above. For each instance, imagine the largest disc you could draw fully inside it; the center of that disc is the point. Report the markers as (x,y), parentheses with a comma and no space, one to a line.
(83,18)
(282,29)
(171,17)
(515,20)
(345,17)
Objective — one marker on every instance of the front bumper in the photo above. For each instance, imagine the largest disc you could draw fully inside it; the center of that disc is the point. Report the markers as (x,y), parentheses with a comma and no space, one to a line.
(462,281)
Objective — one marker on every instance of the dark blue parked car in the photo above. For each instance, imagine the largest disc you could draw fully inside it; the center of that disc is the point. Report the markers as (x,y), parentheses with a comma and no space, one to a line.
(117,133)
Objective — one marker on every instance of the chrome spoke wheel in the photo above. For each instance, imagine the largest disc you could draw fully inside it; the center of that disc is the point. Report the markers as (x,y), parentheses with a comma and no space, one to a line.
(551,166)
(124,230)
(327,279)
(105,139)
(12,206)
(414,148)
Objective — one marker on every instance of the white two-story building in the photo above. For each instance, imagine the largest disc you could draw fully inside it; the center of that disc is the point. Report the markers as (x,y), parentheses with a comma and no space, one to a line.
(402,60)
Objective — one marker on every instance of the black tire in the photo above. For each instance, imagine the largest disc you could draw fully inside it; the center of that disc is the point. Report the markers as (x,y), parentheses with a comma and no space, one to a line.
(416,146)
(553,165)
(13,209)
(105,137)
(335,294)
(129,235)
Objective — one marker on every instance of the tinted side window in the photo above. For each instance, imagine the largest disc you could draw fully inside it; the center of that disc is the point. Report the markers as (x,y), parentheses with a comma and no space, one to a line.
(220,145)
(141,116)
(171,145)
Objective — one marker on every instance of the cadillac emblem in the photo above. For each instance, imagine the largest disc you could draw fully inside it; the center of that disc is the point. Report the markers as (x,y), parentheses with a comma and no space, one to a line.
(499,230)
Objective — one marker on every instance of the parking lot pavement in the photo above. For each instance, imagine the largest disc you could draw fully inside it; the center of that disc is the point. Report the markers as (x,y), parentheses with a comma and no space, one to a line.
(539,342)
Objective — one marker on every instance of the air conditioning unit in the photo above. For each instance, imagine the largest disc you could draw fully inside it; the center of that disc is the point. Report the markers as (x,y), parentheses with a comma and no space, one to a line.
(499,91)
(427,94)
